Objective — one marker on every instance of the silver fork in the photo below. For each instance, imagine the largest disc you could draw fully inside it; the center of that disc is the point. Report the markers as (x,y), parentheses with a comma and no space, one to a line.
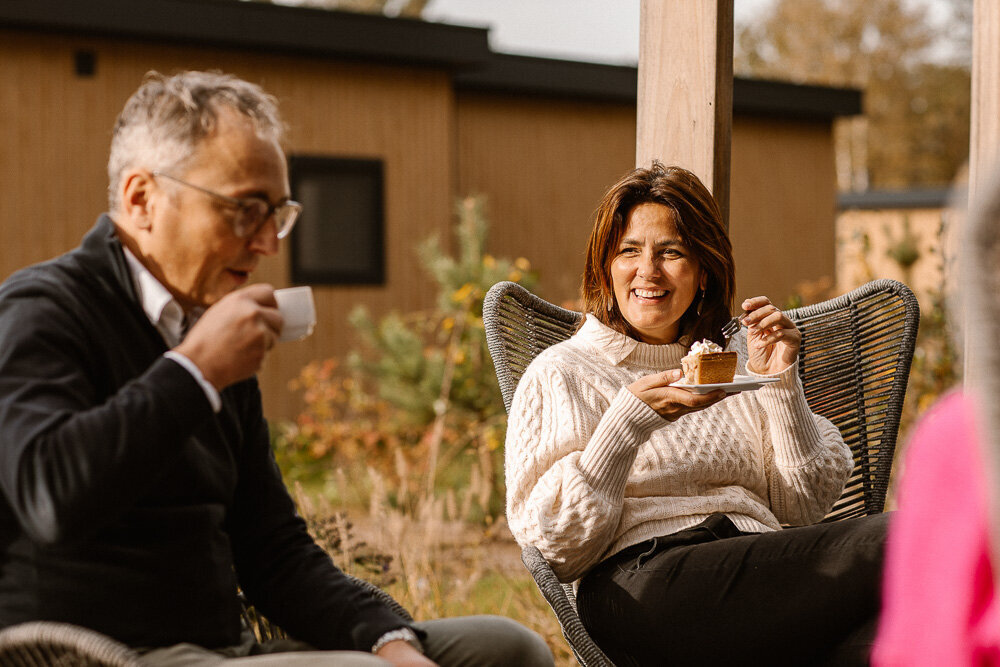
(731,327)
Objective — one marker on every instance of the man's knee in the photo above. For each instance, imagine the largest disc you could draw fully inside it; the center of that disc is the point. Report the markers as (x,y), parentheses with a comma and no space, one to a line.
(485,640)
(518,644)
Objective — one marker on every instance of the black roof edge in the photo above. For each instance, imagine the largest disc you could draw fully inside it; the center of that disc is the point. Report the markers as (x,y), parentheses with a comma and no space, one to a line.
(373,38)
(771,98)
(258,25)
(548,77)
(505,73)
(896,199)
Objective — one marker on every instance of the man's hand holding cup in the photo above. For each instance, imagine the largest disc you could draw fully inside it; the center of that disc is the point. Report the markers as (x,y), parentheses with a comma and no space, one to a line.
(229,342)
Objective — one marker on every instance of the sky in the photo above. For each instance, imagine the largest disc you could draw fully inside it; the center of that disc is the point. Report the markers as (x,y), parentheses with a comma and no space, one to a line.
(591,30)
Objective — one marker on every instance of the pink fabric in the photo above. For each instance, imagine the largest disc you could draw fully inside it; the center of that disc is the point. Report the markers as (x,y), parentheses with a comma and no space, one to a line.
(939,605)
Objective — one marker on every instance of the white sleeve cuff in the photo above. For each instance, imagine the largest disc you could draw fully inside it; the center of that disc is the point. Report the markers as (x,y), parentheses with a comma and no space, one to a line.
(210,392)
(405,634)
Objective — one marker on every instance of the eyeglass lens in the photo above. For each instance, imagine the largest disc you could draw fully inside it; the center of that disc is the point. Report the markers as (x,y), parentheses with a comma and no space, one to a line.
(255,213)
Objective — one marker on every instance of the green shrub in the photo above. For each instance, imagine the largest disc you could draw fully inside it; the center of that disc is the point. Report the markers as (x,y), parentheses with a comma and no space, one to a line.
(417,402)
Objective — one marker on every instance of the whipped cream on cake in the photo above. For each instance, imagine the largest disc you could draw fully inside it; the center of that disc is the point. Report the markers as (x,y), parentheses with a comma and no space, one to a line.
(704,347)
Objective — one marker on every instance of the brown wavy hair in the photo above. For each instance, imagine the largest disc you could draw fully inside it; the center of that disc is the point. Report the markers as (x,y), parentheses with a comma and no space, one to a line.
(699,224)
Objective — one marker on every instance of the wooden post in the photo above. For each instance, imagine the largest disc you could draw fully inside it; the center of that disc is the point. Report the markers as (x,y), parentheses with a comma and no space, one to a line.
(981,311)
(984,139)
(984,134)
(685,96)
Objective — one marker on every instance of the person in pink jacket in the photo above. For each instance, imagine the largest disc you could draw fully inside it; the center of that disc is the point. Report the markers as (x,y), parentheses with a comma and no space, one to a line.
(939,602)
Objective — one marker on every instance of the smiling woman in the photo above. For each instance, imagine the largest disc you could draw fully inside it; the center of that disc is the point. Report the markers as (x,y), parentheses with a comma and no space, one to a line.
(655,278)
(658,230)
(666,505)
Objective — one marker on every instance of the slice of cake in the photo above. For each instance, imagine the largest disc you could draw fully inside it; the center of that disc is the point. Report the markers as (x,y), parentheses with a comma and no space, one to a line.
(706,363)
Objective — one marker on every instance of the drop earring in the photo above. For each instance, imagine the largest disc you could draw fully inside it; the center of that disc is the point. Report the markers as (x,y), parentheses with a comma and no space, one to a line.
(611,304)
(700,301)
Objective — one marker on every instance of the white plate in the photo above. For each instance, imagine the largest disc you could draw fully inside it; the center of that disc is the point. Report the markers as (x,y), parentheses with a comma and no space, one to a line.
(739,383)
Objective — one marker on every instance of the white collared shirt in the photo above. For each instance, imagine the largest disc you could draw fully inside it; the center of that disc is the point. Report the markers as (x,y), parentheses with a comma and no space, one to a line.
(167,316)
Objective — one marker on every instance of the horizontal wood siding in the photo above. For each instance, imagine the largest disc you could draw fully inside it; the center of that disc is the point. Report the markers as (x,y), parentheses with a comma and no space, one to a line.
(544,166)
(55,130)
(783,205)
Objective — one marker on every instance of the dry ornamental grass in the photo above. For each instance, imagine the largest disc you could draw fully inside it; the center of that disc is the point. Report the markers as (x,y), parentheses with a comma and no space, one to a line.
(434,566)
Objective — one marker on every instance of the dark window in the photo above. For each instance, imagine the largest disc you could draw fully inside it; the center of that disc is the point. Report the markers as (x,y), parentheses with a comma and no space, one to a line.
(339,238)
(85,63)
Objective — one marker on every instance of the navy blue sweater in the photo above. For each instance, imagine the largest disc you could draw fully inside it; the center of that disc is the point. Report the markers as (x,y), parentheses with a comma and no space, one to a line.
(128,506)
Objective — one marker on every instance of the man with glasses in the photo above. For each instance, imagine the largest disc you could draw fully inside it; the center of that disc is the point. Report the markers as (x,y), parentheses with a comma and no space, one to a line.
(139,489)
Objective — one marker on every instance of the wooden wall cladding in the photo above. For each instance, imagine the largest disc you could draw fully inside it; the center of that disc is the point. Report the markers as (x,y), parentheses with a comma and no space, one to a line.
(55,129)
(544,163)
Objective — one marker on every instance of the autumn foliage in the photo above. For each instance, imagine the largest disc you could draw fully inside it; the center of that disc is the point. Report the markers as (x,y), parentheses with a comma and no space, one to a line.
(416,409)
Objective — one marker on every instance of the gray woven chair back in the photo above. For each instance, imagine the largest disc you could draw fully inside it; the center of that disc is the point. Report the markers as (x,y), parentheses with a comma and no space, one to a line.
(42,643)
(854,365)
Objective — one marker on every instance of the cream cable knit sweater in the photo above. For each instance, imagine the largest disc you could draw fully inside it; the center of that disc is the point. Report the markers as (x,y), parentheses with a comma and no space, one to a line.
(591,469)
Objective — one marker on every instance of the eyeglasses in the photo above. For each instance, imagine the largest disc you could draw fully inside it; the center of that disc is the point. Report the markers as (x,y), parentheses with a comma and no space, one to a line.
(251,212)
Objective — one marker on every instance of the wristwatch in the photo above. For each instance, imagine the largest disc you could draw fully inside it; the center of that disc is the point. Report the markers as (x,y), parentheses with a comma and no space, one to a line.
(407,635)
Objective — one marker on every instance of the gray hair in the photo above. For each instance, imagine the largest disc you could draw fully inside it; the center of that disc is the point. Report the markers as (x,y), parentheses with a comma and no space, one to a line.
(165,119)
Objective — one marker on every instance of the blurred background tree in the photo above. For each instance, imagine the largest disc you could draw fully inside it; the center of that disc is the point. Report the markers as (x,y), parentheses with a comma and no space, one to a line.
(911,58)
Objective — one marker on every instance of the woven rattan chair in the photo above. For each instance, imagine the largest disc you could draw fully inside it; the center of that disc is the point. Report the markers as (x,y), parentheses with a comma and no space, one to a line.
(854,364)
(42,643)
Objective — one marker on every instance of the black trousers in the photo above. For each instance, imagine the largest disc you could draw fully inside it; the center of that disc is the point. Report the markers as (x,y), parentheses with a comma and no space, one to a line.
(711,595)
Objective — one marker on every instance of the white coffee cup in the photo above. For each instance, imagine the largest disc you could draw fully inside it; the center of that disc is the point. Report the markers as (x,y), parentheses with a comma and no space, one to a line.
(297,308)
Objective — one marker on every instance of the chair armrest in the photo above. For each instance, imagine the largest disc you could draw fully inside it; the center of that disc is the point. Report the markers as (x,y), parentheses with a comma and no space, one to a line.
(559,597)
(47,643)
